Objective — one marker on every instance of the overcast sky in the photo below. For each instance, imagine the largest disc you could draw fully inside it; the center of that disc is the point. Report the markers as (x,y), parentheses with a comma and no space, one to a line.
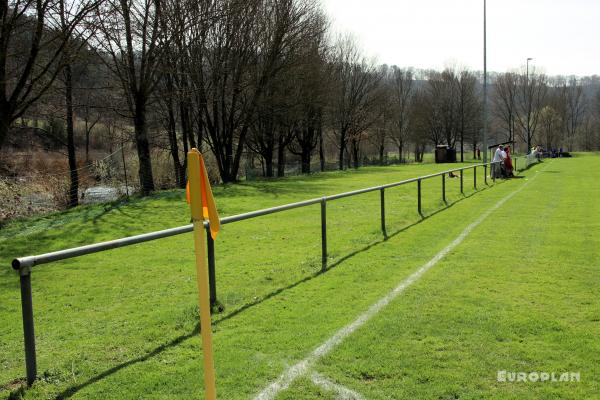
(560,35)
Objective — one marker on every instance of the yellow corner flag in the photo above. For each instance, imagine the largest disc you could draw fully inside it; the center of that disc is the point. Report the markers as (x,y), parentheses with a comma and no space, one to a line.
(202,204)
(209,209)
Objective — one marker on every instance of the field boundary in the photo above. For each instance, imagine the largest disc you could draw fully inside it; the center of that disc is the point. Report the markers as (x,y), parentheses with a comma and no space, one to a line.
(303,367)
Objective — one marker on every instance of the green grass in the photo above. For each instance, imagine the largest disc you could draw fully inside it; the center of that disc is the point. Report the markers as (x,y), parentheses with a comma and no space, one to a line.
(123,324)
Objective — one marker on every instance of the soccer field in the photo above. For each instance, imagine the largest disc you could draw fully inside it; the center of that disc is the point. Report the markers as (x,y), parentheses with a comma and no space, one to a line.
(504,279)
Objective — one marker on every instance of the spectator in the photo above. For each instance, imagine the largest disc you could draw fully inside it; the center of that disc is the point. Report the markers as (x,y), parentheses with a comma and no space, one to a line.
(497,161)
(508,165)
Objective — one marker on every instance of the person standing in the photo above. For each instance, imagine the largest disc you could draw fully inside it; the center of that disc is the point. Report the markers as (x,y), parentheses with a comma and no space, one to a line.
(508,165)
(497,160)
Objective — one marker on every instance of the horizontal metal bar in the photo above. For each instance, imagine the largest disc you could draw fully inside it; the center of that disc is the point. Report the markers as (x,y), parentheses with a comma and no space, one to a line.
(404,182)
(266,211)
(30,261)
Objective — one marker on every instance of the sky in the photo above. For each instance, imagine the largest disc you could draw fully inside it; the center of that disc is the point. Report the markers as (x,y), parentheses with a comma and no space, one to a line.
(560,35)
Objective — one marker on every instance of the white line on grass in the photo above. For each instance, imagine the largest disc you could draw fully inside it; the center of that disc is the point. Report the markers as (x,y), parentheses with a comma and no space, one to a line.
(343,393)
(301,368)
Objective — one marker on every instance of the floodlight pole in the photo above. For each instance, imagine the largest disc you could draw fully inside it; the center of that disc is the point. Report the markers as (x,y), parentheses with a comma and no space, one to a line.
(485,106)
(528,105)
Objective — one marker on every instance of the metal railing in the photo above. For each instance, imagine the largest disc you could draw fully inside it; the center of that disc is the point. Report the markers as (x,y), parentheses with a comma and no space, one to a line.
(25,264)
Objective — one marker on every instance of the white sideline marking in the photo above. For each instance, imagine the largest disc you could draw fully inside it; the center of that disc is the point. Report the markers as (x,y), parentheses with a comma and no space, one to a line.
(343,393)
(301,368)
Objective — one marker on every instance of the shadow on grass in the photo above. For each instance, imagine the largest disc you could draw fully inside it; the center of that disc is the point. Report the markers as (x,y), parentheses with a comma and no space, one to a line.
(71,391)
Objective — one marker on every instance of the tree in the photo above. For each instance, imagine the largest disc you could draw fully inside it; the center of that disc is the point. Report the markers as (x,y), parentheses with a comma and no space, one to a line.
(241,53)
(311,89)
(531,94)
(468,108)
(268,127)
(131,34)
(33,37)
(354,97)
(550,124)
(421,125)
(402,83)
(440,96)
(575,107)
(504,99)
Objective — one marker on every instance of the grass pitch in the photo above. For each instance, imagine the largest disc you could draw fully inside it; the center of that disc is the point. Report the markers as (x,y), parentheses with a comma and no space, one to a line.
(518,294)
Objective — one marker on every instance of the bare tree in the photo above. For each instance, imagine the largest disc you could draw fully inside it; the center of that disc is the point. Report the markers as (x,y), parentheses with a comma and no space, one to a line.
(33,38)
(441,94)
(72,55)
(589,137)
(468,108)
(531,94)
(575,107)
(130,33)
(245,49)
(549,125)
(354,97)
(504,99)
(422,124)
(401,97)
(311,88)
(266,130)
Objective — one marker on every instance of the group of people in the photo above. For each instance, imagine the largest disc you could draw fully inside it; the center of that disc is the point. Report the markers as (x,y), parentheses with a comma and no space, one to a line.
(503,166)
(541,152)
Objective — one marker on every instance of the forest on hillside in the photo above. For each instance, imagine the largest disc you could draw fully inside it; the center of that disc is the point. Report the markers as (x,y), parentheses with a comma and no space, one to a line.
(120,90)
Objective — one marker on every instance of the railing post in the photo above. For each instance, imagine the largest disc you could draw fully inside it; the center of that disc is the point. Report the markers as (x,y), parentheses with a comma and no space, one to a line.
(493,167)
(444,188)
(461,182)
(212,277)
(475,178)
(485,173)
(419,196)
(28,330)
(323,234)
(382,197)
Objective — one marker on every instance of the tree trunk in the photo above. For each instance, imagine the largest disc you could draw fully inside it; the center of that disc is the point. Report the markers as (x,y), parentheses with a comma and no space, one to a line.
(143,146)
(462,146)
(355,153)
(348,158)
(400,153)
(74,186)
(4,124)
(281,158)
(305,158)
(186,125)
(381,151)
(321,150)
(200,133)
(178,168)
(342,148)
(268,157)
(230,175)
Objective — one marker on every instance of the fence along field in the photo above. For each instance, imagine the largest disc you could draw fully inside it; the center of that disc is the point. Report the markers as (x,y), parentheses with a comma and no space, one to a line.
(24,264)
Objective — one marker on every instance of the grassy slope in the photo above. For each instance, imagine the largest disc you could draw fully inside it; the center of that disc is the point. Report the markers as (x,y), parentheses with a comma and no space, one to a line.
(111,332)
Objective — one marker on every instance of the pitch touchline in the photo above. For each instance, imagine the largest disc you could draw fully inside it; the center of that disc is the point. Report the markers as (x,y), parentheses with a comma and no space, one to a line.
(301,368)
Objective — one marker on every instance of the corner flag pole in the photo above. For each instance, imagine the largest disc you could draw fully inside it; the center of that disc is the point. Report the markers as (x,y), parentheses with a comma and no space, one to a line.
(201,272)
